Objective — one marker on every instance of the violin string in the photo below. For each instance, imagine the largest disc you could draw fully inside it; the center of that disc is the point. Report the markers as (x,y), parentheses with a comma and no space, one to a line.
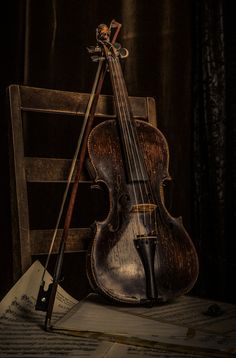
(123,95)
(120,97)
(128,131)
(134,135)
(135,153)
(123,114)
(132,138)
(156,213)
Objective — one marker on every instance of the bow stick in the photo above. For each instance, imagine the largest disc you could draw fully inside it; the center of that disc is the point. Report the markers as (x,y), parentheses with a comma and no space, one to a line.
(46,298)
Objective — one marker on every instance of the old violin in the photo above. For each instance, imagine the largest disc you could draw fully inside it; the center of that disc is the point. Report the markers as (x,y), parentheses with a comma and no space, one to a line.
(140,254)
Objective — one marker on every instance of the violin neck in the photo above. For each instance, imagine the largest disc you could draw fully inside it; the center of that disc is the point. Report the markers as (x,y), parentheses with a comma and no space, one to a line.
(133,158)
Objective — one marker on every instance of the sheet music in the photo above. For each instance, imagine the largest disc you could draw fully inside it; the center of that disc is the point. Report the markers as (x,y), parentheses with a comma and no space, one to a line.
(191,312)
(22,333)
(118,350)
(21,327)
(106,321)
(28,287)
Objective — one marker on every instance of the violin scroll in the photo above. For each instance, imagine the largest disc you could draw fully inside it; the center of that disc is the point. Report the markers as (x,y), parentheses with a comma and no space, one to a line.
(103,33)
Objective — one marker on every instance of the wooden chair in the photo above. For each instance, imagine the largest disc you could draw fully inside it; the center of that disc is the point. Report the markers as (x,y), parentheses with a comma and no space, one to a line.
(44,128)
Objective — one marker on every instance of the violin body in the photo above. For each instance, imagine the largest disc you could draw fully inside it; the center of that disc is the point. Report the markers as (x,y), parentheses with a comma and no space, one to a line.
(140,253)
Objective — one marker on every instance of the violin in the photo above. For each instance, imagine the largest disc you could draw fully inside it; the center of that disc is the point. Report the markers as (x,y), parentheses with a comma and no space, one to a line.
(140,254)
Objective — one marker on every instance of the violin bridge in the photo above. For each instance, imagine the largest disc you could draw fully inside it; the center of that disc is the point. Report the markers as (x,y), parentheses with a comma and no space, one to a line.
(143,208)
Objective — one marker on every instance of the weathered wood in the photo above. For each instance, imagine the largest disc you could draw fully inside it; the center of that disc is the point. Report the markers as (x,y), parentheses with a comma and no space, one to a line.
(25,169)
(64,102)
(78,240)
(20,215)
(49,170)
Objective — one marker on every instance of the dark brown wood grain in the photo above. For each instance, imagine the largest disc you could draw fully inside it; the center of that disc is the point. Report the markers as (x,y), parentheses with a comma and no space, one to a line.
(114,266)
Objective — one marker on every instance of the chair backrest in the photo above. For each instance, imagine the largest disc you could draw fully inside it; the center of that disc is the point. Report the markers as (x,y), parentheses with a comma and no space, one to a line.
(44,129)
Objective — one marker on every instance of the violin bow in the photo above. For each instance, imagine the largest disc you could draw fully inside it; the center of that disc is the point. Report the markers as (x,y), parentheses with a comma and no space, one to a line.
(46,298)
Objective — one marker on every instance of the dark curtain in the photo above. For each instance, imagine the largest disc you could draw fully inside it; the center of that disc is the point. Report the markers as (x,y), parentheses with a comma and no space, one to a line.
(12,33)
(177,54)
(212,157)
(159,65)
(230,194)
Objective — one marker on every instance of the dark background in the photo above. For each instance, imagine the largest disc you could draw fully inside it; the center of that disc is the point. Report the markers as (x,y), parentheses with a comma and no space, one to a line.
(182,53)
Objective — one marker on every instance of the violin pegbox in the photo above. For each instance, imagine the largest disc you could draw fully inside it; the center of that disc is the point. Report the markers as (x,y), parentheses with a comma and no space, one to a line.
(96,53)
(102,36)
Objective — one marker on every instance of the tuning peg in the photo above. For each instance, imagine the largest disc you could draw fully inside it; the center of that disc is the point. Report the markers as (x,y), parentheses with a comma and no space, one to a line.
(123,52)
(97,58)
(94,49)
